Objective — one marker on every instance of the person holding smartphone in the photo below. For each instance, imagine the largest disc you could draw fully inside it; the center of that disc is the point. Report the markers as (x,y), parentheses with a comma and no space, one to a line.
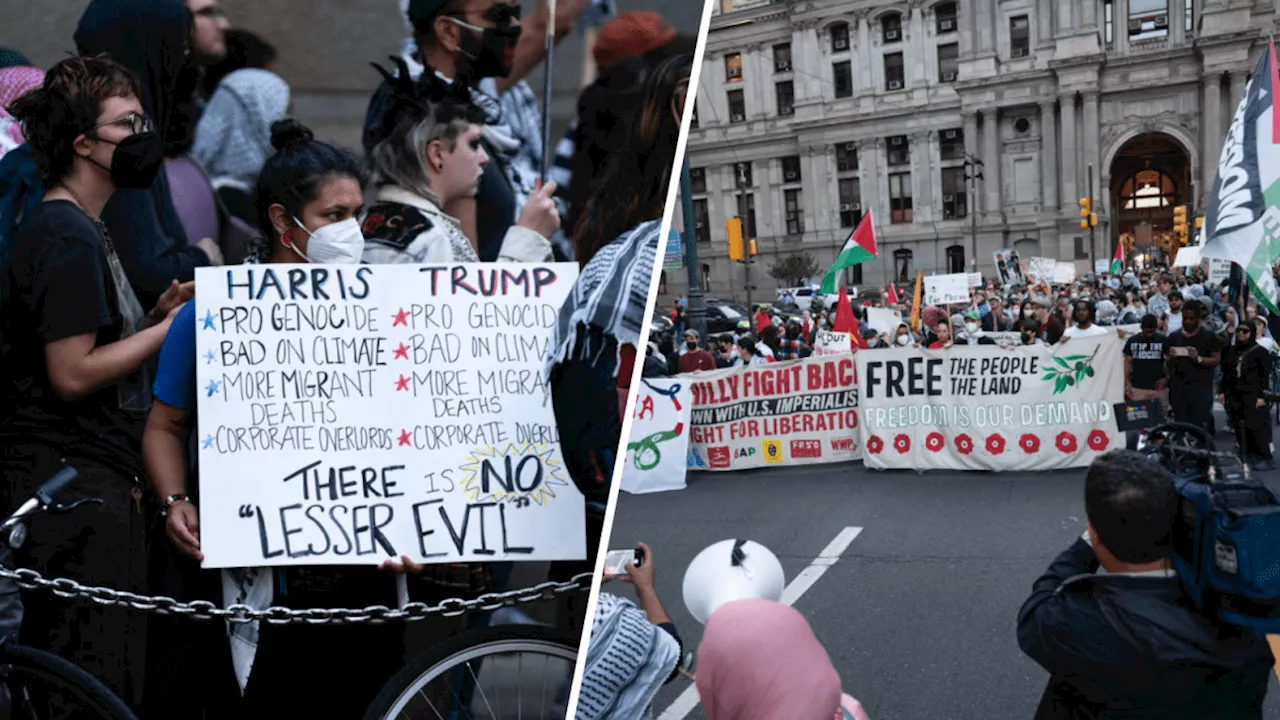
(1193,353)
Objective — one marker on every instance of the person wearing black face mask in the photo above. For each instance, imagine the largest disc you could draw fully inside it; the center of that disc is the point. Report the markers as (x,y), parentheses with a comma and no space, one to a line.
(1246,374)
(695,358)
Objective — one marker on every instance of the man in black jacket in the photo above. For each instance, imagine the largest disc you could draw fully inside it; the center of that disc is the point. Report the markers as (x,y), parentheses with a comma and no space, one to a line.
(1129,642)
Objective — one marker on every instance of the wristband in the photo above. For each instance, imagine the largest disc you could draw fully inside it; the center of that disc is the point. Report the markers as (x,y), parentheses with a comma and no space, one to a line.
(172,500)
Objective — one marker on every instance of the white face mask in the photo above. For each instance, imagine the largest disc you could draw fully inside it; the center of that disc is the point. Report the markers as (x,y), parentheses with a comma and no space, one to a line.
(340,243)
(1028,312)
(971,328)
(904,340)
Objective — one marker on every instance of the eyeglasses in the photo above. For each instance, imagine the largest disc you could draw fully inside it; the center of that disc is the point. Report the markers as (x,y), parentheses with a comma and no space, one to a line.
(136,123)
(212,12)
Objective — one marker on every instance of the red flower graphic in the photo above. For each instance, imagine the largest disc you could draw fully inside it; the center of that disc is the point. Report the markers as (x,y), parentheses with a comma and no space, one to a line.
(1030,443)
(995,444)
(1098,441)
(902,443)
(934,442)
(964,444)
(875,445)
(1066,442)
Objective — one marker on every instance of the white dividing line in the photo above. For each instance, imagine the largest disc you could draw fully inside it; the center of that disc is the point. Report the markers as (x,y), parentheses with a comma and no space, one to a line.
(688,700)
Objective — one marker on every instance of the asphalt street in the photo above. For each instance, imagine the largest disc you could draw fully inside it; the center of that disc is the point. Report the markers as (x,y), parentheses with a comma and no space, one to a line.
(919,613)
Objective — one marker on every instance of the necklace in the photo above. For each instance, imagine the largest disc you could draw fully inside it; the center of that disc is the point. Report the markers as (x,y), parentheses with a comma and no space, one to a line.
(97,221)
(79,203)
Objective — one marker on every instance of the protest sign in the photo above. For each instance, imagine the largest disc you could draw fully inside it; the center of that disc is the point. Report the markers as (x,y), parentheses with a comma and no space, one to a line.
(826,342)
(1041,269)
(348,414)
(1101,266)
(658,448)
(1064,273)
(797,413)
(1219,271)
(946,289)
(991,408)
(1008,268)
(883,319)
(975,279)
(673,258)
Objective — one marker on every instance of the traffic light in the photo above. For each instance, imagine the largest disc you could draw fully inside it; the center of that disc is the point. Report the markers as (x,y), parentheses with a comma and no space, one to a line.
(734,226)
(1180,229)
(1088,218)
(751,247)
(1200,222)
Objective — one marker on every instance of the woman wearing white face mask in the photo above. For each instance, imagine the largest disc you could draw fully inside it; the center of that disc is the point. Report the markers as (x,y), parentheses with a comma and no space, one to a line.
(429,156)
(903,337)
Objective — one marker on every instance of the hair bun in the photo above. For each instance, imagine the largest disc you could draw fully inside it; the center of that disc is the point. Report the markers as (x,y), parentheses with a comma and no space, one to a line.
(290,133)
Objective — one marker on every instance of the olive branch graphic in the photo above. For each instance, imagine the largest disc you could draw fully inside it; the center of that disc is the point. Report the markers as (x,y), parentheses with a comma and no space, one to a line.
(1069,371)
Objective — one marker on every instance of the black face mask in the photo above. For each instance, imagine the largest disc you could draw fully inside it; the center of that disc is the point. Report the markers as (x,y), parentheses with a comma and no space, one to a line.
(692,345)
(136,161)
(485,53)
(1026,338)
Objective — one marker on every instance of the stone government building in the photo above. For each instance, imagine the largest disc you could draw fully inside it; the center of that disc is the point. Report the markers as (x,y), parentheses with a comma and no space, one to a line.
(828,109)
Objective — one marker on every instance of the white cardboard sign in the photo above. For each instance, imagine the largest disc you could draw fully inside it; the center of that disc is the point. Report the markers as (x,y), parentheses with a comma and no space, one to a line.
(827,342)
(350,414)
(950,289)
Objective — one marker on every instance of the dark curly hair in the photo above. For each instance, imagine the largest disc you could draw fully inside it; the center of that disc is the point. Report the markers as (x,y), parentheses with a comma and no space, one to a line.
(67,106)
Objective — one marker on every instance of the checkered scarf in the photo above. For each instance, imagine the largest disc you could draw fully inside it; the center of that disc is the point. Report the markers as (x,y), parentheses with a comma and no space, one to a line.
(628,661)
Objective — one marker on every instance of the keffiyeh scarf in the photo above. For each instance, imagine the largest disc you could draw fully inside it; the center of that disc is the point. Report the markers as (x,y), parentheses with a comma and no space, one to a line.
(628,661)
(610,295)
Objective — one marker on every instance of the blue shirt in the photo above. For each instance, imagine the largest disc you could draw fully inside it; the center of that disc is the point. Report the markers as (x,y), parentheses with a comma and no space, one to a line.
(175,384)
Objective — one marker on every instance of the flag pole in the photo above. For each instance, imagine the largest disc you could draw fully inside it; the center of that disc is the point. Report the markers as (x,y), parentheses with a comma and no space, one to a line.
(548,151)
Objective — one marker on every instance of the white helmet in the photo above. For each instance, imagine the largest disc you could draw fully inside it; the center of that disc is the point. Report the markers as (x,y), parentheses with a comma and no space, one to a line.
(731,570)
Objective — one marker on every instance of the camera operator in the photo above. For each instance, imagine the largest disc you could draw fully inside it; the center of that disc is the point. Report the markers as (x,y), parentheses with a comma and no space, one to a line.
(1129,643)
(1193,354)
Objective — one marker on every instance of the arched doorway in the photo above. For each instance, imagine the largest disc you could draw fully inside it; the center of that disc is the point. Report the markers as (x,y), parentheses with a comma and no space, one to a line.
(1150,176)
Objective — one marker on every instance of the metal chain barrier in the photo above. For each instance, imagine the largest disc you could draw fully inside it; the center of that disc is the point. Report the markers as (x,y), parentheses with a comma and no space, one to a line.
(375,614)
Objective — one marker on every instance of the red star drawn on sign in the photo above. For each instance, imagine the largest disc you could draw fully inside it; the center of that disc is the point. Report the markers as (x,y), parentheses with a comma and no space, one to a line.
(401,318)
(402,383)
(402,352)
(405,438)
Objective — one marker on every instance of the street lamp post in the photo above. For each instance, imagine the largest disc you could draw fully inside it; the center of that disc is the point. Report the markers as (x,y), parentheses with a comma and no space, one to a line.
(972,174)
(697,310)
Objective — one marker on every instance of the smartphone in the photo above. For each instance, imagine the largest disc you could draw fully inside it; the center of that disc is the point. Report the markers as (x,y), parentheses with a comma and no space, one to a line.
(1180,352)
(616,561)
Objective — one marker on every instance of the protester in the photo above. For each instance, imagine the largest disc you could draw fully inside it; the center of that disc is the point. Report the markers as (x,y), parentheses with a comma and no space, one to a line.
(747,353)
(1129,642)
(244,49)
(81,342)
(725,354)
(972,330)
(1082,313)
(430,158)
(694,357)
(1029,332)
(903,337)
(1246,377)
(792,346)
(942,331)
(1193,354)
(14,83)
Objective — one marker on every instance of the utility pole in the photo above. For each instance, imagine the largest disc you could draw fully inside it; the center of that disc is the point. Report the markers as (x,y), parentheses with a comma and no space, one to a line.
(1093,226)
(972,174)
(748,256)
(696,312)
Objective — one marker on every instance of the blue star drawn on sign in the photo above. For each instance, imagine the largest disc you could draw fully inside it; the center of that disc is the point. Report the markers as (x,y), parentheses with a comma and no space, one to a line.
(208,358)
(213,388)
(208,442)
(208,321)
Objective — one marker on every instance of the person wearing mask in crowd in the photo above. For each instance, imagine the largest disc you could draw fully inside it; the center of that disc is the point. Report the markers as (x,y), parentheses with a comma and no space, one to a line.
(759,660)
(233,139)
(791,345)
(1094,631)
(872,338)
(1233,323)
(980,303)
(484,43)
(695,358)
(150,37)
(309,196)
(1193,354)
(76,368)
(1246,377)
(431,155)
(1263,337)
(996,320)
(14,83)
(725,353)
(769,342)
(747,353)
(634,649)
(1083,327)
(1029,332)
(902,337)
(942,333)
(1159,301)
(972,330)
(1106,313)
(244,49)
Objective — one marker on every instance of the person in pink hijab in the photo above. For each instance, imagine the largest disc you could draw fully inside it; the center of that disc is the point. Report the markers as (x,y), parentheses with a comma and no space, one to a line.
(14,83)
(759,660)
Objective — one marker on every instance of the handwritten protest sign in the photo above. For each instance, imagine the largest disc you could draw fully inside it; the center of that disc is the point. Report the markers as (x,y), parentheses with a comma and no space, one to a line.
(946,289)
(1064,273)
(826,342)
(657,451)
(353,413)
(1041,269)
(883,319)
(975,279)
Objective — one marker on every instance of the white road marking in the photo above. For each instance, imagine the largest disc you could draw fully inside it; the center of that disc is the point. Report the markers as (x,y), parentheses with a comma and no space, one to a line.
(688,700)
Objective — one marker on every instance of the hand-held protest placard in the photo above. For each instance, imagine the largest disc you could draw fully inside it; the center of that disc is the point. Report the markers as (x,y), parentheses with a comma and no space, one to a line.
(828,342)
(658,449)
(950,289)
(349,414)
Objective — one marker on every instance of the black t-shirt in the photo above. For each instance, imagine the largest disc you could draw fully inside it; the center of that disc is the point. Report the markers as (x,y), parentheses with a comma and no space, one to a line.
(495,207)
(1148,360)
(62,287)
(1187,373)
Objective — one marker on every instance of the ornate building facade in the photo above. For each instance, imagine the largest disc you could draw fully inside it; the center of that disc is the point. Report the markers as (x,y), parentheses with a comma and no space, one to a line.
(811,113)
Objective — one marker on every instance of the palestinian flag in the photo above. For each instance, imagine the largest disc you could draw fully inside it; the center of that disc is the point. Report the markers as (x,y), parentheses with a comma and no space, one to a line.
(1242,222)
(893,298)
(1117,262)
(859,248)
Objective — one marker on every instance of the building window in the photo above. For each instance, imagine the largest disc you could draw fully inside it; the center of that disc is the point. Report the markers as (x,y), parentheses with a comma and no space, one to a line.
(1189,13)
(786,98)
(850,202)
(902,265)
(1019,36)
(955,259)
(1148,19)
(737,107)
(946,15)
(846,156)
(1082,252)
(742,177)
(791,169)
(698,179)
(843,74)
(951,144)
(900,198)
(891,27)
(853,275)
(893,74)
(701,221)
(795,214)
(839,37)
(782,57)
(1108,22)
(955,201)
(948,62)
(733,67)
(747,211)
(706,278)
(899,150)
(1148,189)
(662,283)
(694,124)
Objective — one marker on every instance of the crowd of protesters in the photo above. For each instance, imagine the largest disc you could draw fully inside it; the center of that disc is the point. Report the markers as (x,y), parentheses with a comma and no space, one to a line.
(164,145)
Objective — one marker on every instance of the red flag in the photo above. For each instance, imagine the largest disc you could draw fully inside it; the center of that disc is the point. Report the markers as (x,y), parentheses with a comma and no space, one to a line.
(846,321)
(893,295)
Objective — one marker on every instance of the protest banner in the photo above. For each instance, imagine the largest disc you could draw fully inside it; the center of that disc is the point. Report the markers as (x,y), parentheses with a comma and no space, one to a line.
(991,408)
(946,289)
(1008,268)
(801,412)
(658,448)
(349,414)
(827,342)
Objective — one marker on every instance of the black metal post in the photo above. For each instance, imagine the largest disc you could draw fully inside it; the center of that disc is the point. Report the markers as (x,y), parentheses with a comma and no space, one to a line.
(1093,257)
(696,312)
(747,258)
(972,174)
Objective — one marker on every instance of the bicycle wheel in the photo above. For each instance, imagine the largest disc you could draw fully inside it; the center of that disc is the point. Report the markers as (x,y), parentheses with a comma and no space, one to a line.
(522,672)
(44,686)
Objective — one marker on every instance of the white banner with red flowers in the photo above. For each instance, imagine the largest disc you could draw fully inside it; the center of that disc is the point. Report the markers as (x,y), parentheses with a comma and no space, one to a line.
(984,407)
(801,412)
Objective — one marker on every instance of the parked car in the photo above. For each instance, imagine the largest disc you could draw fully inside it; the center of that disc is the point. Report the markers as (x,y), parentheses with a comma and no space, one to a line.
(804,296)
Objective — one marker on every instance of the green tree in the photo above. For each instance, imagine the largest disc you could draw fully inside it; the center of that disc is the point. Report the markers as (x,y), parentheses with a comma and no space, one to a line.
(793,269)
